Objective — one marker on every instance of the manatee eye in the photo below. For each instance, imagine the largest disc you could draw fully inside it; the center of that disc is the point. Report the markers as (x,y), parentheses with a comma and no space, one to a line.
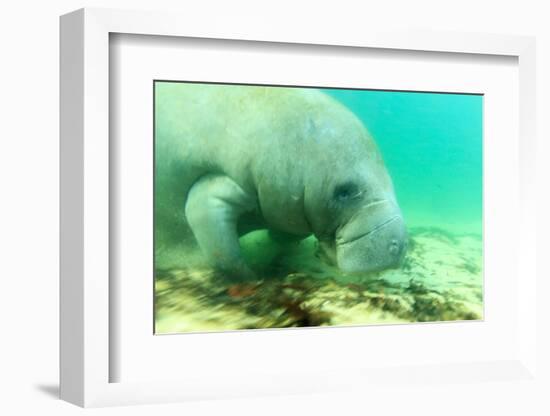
(346,191)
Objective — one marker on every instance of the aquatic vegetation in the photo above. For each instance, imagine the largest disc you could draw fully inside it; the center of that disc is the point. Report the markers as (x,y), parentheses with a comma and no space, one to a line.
(433,285)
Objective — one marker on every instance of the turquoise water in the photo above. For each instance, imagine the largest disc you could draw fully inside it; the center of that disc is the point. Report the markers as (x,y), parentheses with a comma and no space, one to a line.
(432,147)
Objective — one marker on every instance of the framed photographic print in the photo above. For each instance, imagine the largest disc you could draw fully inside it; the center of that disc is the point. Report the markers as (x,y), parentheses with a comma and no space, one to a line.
(280,213)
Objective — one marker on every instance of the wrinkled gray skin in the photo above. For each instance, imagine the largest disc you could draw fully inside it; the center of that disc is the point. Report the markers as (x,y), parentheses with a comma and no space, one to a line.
(233,159)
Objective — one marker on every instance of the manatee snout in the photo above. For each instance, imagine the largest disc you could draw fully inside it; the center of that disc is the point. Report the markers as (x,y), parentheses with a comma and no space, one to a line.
(382,247)
(374,239)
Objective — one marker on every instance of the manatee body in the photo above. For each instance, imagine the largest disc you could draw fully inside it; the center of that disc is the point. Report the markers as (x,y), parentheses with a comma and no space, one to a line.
(231,159)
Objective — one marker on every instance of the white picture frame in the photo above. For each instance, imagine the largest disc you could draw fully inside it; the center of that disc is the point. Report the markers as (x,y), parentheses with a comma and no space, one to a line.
(85,219)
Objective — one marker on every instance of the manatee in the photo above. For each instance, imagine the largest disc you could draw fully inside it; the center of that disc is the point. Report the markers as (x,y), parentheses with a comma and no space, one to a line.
(232,159)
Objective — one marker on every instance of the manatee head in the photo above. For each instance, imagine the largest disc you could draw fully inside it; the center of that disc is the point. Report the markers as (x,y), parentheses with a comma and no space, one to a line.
(363,230)
(370,234)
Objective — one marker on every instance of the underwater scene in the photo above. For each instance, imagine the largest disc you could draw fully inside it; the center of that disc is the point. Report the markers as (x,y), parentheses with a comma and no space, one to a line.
(278,207)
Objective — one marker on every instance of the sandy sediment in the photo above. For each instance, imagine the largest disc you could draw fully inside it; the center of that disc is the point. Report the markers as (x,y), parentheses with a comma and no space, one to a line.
(440,280)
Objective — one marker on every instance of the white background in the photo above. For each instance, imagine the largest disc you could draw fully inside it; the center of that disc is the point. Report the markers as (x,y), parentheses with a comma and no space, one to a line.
(29,224)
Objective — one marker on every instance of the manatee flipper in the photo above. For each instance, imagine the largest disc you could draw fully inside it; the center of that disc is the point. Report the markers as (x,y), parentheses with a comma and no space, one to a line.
(213,207)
